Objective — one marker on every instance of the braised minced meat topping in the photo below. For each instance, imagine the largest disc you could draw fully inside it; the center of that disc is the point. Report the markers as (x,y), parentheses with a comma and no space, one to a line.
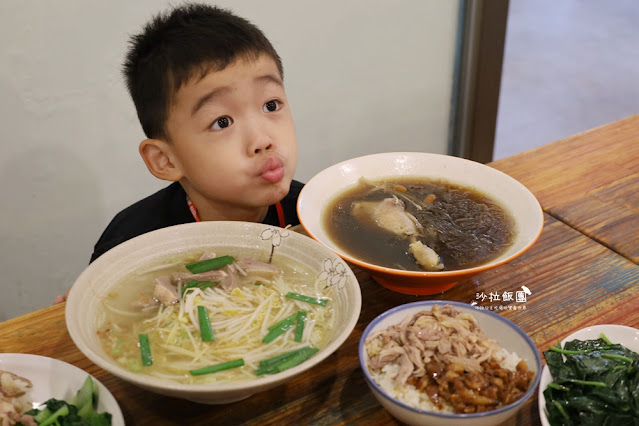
(473,392)
(443,353)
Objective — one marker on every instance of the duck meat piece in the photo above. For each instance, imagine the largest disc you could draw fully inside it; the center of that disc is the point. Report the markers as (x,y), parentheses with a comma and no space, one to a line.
(8,414)
(230,281)
(12,385)
(405,368)
(213,275)
(425,256)
(256,267)
(165,292)
(386,355)
(389,214)
(207,255)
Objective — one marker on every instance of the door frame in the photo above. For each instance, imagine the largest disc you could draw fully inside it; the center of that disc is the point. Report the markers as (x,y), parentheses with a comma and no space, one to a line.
(479,61)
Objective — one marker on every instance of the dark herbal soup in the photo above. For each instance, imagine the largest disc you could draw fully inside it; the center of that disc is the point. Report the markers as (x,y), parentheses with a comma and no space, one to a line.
(418,224)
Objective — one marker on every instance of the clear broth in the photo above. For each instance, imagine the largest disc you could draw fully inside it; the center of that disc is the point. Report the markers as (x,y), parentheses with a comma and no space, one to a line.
(121,322)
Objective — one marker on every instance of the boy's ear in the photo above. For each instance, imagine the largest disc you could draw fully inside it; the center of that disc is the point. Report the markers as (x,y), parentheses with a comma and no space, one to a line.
(159,159)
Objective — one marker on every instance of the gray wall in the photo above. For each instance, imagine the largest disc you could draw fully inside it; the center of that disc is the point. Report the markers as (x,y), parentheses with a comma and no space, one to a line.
(362,77)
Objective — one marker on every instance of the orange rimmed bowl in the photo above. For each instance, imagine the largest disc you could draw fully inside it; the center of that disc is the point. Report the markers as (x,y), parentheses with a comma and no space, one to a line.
(322,189)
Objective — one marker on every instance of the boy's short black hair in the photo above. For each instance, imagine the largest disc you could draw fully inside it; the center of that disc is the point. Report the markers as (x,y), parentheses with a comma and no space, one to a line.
(184,43)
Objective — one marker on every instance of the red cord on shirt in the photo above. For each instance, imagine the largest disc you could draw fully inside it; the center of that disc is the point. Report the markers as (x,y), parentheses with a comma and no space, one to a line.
(278,207)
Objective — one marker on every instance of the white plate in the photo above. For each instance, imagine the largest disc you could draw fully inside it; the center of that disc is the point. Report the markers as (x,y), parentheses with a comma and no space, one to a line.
(626,336)
(52,378)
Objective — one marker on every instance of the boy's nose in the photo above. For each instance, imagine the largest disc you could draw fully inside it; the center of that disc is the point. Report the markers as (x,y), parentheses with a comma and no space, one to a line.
(259,140)
(260,147)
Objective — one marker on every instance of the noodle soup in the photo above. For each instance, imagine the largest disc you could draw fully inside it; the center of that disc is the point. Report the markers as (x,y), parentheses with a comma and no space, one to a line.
(244,300)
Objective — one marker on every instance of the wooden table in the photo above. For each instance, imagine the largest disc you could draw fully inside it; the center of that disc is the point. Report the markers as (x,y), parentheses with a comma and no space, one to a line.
(582,271)
(589,181)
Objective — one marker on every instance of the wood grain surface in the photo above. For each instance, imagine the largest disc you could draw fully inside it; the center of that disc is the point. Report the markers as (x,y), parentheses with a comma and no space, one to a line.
(589,181)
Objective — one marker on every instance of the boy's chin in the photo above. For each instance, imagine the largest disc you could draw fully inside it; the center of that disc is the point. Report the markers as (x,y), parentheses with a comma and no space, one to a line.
(277,192)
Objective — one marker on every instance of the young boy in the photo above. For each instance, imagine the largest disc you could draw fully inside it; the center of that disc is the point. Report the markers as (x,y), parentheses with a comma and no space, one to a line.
(208,89)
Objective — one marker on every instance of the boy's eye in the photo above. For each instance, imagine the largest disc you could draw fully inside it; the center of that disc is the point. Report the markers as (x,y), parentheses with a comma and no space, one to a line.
(272,106)
(222,122)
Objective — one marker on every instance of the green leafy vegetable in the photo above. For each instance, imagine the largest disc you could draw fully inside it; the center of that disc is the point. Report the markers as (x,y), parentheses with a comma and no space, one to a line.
(60,412)
(209,264)
(86,397)
(595,382)
(79,411)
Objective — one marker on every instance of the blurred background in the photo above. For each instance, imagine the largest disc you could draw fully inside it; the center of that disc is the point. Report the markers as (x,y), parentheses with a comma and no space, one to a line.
(479,79)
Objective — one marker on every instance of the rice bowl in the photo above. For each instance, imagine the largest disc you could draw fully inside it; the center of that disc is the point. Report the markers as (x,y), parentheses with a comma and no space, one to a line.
(412,406)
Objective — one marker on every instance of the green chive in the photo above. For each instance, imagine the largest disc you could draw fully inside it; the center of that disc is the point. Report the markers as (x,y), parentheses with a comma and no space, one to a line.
(259,283)
(278,329)
(299,327)
(202,285)
(285,361)
(271,369)
(145,349)
(287,319)
(279,358)
(296,360)
(217,367)
(206,331)
(307,299)
(209,264)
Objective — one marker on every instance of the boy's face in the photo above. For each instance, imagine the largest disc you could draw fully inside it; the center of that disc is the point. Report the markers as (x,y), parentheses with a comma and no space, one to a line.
(232,136)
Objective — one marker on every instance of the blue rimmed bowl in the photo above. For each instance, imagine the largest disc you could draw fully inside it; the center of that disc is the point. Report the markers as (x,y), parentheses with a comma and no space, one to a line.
(509,336)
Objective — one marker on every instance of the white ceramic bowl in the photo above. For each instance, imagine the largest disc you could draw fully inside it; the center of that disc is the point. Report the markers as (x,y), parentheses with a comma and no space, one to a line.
(99,278)
(626,336)
(52,378)
(505,332)
(320,190)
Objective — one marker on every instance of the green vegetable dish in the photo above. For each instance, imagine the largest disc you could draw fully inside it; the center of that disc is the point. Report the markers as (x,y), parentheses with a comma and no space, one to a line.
(595,382)
(79,411)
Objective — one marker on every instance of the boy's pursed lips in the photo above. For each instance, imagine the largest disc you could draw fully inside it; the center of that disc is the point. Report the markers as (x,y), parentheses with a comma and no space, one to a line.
(272,171)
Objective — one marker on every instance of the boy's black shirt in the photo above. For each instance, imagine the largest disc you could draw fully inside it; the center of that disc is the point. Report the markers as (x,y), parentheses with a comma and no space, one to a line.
(168,207)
